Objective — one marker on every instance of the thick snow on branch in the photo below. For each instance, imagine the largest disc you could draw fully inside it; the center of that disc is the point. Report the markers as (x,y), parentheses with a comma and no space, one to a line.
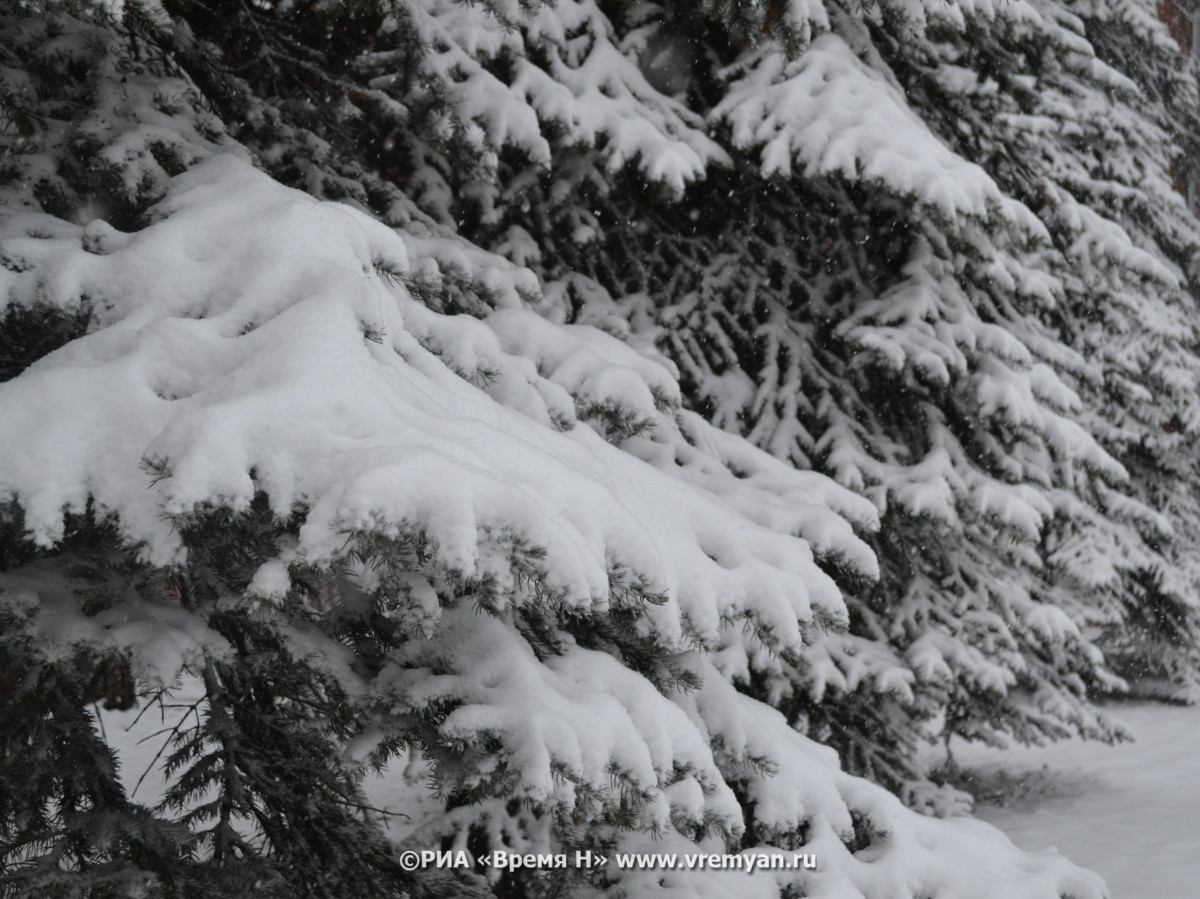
(579,721)
(565,72)
(833,115)
(248,342)
(254,341)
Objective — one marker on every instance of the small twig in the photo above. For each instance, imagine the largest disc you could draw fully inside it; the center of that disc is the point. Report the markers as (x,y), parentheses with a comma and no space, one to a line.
(379,811)
(100,721)
(158,695)
(167,742)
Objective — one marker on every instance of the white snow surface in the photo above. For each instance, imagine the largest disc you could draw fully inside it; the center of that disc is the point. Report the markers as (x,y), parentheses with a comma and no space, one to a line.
(1127,812)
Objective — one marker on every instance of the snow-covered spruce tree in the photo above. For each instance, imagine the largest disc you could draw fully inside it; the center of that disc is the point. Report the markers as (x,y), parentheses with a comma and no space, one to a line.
(1068,133)
(769,278)
(538,147)
(943,244)
(1092,153)
(239,446)
(1157,654)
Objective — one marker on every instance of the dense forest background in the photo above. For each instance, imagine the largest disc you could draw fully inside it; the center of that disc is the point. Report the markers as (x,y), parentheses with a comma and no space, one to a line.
(601,409)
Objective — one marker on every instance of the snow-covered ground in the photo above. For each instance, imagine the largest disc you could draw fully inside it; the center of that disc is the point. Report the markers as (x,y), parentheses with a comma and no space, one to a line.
(1129,812)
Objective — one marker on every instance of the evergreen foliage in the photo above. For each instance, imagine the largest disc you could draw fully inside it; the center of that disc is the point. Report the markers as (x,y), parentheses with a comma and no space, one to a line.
(440,478)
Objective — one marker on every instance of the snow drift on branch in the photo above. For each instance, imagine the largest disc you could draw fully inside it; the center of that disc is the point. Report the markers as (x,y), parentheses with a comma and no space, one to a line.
(255,342)
(248,342)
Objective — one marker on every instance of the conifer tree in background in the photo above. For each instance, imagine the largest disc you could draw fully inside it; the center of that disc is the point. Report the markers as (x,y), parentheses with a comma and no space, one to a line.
(945,265)
(1088,151)
(392,500)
